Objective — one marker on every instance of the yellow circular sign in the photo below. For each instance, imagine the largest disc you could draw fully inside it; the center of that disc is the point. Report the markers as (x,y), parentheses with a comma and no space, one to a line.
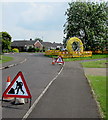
(74,44)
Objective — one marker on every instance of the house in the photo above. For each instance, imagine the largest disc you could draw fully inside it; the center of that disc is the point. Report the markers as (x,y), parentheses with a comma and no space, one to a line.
(24,45)
(49,45)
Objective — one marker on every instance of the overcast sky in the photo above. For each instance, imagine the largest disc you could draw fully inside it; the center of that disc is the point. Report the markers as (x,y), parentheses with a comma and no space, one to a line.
(25,20)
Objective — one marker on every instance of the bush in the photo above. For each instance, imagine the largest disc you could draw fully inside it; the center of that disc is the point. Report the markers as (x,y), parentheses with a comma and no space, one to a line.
(5,51)
(15,50)
(37,49)
(31,49)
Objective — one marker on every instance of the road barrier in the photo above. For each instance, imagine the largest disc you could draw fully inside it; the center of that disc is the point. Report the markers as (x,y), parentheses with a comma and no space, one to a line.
(66,54)
(74,49)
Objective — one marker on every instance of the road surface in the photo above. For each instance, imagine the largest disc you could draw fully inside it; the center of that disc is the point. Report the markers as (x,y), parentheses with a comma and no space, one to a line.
(69,96)
(38,72)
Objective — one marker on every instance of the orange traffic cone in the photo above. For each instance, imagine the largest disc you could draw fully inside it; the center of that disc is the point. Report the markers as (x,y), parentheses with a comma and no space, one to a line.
(53,61)
(7,84)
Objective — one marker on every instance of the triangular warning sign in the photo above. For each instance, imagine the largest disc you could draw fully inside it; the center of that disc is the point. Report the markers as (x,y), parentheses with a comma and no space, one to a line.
(18,88)
(59,60)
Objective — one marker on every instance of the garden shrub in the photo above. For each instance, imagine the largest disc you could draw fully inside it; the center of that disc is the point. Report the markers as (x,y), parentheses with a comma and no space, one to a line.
(31,49)
(15,50)
(37,49)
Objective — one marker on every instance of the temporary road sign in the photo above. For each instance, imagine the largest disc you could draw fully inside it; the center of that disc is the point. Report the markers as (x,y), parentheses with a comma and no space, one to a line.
(18,88)
(59,60)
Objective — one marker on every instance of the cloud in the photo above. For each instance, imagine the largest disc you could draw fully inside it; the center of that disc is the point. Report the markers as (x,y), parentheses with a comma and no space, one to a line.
(36,13)
(31,20)
(51,36)
(43,16)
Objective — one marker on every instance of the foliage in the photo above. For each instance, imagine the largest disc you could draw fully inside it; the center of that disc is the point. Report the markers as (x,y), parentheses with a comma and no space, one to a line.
(0,45)
(43,49)
(87,21)
(5,51)
(6,41)
(37,49)
(15,50)
(31,49)
(57,48)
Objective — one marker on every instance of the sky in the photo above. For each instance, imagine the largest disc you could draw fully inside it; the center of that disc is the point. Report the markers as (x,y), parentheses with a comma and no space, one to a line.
(34,19)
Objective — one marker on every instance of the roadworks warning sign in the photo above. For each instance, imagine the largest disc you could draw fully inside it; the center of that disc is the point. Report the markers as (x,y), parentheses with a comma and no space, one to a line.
(18,88)
(59,60)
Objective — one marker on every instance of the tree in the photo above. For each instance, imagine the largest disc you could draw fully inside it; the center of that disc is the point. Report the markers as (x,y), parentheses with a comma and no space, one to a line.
(88,21)
(6,40)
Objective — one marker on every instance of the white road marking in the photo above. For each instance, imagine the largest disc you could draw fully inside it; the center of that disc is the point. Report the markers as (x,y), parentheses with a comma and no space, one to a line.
(23,60)
(37,100)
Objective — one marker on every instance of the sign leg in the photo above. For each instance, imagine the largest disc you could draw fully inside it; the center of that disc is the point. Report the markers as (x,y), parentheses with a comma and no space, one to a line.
(30,102)
(2,99)
(27,100)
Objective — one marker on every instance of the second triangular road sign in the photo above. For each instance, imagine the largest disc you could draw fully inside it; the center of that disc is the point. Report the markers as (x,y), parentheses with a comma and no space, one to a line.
(59,60)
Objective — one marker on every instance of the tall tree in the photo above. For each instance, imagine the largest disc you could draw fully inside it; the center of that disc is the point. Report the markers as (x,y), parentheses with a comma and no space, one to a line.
(6,40)
(87,21)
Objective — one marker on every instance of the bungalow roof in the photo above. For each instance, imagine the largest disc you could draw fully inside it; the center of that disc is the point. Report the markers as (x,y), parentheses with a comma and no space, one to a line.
(22,43)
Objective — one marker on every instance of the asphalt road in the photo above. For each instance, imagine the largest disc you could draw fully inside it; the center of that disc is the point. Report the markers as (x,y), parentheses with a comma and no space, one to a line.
(38,72)
(69,96)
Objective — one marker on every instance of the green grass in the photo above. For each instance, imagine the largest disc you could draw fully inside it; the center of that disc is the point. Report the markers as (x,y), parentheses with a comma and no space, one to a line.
(98,84)
(95,64)
(5,59)
(96,56)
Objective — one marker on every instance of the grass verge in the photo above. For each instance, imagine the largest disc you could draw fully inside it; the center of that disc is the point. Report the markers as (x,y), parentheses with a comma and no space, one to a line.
(95,64)
(98,84)
(94,56)
(5,59)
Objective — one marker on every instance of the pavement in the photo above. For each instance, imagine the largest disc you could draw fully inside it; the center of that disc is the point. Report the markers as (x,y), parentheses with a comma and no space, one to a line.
(96,71)
(68,97)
